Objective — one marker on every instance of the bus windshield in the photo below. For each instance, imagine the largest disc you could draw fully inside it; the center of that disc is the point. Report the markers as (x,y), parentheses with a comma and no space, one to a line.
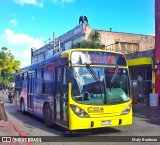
(99,86)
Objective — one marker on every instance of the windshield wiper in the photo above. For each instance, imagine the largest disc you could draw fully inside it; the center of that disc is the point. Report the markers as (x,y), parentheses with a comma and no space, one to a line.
(92,72)
(97,79)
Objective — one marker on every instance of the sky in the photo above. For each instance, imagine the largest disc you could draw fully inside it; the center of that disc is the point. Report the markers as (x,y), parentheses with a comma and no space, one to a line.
(30,23)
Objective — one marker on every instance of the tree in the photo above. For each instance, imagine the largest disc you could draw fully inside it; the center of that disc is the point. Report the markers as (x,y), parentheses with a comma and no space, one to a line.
(82,44)
(8,66)
(93,41)
(94,37)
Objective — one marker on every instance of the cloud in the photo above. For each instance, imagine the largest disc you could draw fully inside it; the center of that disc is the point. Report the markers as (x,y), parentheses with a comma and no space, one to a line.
(22,2)
(23,55)
(63,1)
(13,38)
(41,4)
(67,1)
(32,18)
(30,2)
(13,22)
(19,39)
(152,34)
(20,45)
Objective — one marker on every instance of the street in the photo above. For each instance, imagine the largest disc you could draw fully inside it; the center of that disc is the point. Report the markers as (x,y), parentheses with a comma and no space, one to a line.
(33,126)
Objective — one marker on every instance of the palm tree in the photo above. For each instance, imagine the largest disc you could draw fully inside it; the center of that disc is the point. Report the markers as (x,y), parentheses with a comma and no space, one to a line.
(94,37)
(94,41)
(82,44)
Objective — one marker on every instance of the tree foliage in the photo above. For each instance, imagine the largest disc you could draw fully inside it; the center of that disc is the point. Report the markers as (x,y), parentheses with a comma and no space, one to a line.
(94,37)
(93,41)
(8,66)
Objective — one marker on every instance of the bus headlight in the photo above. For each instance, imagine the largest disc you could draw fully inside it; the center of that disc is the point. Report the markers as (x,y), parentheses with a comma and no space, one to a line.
(126,110)
(78,111)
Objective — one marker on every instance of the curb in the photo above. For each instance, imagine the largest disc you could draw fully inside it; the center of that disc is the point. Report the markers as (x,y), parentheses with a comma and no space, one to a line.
(21,133)
(147,116)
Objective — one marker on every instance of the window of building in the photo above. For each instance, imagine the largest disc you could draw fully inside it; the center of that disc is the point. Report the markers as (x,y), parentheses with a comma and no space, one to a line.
(126,47)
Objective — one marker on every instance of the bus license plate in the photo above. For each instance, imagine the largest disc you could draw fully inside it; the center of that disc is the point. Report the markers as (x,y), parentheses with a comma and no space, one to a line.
(106,122)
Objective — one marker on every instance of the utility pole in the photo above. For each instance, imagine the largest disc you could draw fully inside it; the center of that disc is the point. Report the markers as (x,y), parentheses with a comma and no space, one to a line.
(54,42)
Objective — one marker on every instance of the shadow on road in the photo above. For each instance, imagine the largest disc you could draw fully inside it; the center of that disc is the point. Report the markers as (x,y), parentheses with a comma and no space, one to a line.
(31,122)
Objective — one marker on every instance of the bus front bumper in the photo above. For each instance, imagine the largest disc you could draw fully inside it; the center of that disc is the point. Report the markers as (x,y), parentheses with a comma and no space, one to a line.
(76,123)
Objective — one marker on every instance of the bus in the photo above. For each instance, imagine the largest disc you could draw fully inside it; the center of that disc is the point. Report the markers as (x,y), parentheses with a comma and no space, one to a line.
(77,89)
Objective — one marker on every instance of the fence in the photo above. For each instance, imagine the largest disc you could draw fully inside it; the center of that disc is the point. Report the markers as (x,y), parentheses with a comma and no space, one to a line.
(140,91)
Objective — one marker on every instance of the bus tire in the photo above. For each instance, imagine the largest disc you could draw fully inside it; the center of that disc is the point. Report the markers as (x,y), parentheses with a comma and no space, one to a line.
(47,115)
(22,108)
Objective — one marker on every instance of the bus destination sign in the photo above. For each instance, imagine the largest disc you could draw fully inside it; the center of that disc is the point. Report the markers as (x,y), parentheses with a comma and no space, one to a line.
(89,57)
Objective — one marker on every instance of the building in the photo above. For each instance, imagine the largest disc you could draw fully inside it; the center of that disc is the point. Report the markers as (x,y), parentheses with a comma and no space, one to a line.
(137,47)
(62,43)
(157,48)
(129,43)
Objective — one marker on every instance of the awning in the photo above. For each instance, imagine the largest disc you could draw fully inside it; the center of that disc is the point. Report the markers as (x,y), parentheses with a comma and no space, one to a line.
(140,61)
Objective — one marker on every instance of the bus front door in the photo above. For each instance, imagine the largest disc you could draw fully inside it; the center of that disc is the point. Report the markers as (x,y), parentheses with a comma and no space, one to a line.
(30,91)
(61,95)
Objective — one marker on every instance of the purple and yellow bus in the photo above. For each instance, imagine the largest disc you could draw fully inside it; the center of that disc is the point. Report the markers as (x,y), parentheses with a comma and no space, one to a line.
(77,89)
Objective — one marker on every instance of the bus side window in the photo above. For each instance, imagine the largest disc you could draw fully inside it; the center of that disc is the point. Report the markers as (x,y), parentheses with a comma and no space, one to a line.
(22,76)
(39,80)
(25,76)
(48,79)
(39,72)
(47,88)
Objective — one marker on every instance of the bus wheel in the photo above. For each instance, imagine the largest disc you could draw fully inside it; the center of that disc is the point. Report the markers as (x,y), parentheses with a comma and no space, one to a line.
(47,115)
(22,106)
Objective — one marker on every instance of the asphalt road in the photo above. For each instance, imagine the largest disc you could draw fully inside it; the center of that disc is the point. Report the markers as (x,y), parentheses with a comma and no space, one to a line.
(33,126)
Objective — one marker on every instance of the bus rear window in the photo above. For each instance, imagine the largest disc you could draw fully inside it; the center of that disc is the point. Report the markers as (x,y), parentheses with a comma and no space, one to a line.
(88,57)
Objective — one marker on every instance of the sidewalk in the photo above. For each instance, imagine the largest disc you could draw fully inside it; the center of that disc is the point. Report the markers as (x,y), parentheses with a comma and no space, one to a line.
(9,131)
(10,134)
(146,111)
